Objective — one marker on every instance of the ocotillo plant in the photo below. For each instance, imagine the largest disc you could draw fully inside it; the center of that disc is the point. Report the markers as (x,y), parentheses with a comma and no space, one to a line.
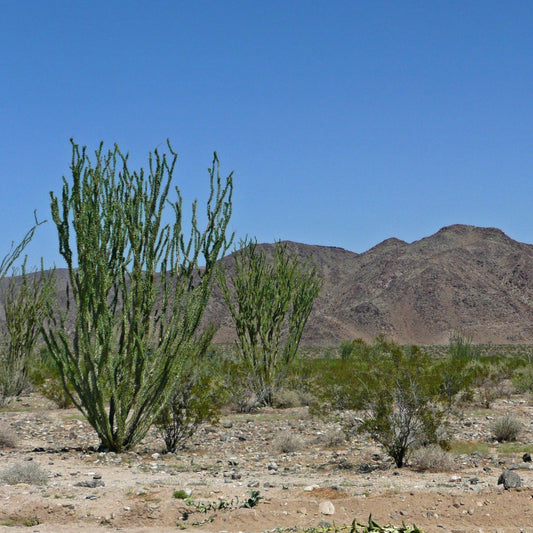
(137,293)
(270,302)
(25,301)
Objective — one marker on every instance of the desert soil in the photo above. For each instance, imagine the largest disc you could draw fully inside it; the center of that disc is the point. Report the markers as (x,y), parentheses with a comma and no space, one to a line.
(134,491)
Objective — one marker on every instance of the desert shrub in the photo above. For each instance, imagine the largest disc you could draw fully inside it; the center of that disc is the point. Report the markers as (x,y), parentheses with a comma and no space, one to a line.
(395,388)
(30,473)
(356,348)
(287,443)
(523,379)
(196,397)
(489,374)
(432,458)
(239,385)
(285,398)
(25,300)
(7,437)
(506,429)
(46,378)
(333,438)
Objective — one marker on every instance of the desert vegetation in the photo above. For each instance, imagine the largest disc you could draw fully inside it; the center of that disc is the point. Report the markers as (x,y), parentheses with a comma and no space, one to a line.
(132,352)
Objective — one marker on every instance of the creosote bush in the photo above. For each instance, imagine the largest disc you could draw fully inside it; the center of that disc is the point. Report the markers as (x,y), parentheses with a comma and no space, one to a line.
(196,396)
(29,472)
(394,388)
(506,429)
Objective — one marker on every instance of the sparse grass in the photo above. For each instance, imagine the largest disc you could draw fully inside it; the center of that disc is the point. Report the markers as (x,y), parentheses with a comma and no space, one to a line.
(506,429)
(29,472)
(432,458)
(508,448)
(462,447)
(287,443)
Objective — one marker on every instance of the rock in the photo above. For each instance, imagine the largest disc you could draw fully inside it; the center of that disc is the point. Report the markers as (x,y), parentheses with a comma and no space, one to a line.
(227,424)
(92,484)
(526,458)
(272,466)
(326,508)
(509,480)
(310,488)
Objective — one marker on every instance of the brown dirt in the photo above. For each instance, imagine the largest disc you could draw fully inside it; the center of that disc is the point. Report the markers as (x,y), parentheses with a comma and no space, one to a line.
(225,462)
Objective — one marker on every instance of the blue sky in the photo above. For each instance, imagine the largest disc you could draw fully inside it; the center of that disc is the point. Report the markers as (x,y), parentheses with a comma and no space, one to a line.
(345,122)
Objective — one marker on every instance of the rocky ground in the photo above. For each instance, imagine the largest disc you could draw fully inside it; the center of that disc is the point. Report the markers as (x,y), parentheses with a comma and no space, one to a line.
(306,476)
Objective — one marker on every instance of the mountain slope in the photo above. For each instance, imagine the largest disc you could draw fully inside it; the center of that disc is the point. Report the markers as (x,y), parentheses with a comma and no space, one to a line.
(462,277)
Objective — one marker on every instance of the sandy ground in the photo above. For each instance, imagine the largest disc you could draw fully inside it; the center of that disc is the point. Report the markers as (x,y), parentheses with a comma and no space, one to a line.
(222,464)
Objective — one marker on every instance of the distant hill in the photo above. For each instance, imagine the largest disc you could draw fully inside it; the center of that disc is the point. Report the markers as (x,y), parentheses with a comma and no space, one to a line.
(463,277)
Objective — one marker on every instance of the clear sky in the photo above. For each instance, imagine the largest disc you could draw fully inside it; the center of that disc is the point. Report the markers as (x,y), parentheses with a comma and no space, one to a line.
(345,122)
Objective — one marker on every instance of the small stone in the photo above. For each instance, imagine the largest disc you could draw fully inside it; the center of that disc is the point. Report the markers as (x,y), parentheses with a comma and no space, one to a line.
(228,424)
(310,488)
(253,484)
(326,508)
(526,458)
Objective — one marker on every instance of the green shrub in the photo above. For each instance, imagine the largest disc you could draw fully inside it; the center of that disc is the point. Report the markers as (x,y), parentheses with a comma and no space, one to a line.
(397,390)
(195,399)
(523,379)
(45,376)
(29,472)
(506,429)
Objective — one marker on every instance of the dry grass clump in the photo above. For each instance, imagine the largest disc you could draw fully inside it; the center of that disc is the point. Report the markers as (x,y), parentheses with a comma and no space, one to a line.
(432,458)
(286,398)
(506,429)
(29,473)
(287,443)
(7,437)
(333,438)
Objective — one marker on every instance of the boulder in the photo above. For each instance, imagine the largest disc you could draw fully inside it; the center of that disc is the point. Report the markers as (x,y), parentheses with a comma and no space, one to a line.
(509,480)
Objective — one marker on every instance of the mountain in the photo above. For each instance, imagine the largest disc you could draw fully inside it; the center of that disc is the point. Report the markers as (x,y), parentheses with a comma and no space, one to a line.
(463,277)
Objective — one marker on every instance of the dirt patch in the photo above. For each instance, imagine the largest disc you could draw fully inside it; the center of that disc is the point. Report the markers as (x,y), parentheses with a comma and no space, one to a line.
(223,464)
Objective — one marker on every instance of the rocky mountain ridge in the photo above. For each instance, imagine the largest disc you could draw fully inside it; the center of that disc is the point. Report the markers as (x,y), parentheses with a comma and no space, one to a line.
(467,278)
(474,279)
